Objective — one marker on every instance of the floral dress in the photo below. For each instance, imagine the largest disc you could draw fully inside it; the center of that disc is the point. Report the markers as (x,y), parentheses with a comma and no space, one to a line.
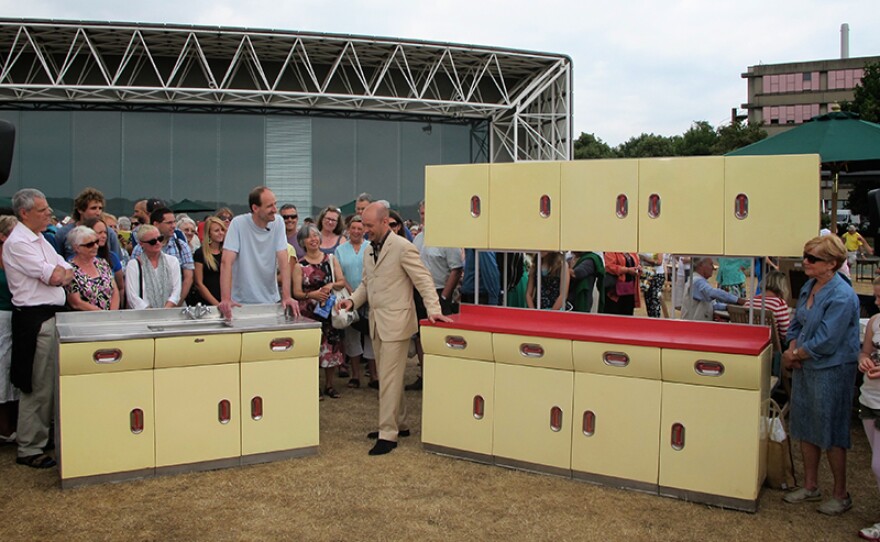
(314,276)
(95,290)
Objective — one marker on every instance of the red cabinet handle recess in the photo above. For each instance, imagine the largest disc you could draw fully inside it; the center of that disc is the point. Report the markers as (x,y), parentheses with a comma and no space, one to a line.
(622,207)
(677,436)
(531,350)
(544,208)
(109,355)
(456,342)
(136,421)
(479,407)
(224,411)
(708,368)
(281,344)
(615,359)
(741,207)
(589,424)
(654,205)
(556,419)
(257,408)
(475,206)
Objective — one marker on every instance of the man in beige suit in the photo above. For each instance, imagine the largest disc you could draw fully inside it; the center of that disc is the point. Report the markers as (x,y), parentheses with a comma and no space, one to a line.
(392,268)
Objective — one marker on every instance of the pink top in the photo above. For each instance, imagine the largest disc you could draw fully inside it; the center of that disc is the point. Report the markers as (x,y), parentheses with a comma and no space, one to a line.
(30,261)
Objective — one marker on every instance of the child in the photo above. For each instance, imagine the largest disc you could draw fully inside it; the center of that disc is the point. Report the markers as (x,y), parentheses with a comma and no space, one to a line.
(869,399)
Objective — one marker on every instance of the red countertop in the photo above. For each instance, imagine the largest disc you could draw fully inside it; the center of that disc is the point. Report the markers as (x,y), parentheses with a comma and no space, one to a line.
(681,334)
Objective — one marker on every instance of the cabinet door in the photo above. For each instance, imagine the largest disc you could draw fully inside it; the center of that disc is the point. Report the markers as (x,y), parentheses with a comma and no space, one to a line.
(457,202)
(711,442)
(197,414)
(279,405)
(599,205)
(458,405)
(106,423)
(681,205)
(533,418)
(525,206)
(616,429)
(771,204)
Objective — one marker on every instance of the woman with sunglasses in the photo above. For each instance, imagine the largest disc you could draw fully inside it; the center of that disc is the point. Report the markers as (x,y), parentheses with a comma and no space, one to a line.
(100,226)
(93,287)
(153,278)
(395,221)
(823,356)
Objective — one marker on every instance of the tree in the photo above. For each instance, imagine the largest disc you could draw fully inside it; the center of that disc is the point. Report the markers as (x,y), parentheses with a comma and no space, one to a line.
(647,146)
(697,141)
(866,100)
(588,146)
(736,135)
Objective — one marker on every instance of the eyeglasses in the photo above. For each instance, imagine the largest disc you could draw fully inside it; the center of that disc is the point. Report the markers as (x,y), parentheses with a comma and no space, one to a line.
(90,244)
(289,217)
(812,258)
(135,223)
(328,219)
(154,241)
(394,224)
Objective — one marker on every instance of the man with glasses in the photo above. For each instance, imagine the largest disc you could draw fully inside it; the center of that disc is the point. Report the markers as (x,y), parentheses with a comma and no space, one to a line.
(291,220)
(163,219)
(701,300)
(37,275)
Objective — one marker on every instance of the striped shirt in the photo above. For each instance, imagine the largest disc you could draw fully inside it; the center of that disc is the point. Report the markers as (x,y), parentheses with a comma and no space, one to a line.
(779,308)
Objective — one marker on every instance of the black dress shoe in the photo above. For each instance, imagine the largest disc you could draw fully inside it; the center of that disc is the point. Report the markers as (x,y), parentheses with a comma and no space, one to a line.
(382,447)
(374,384)
(415,386)
(375,434)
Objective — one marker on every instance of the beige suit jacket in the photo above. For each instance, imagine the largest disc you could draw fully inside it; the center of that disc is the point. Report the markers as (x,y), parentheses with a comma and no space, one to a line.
(388,286)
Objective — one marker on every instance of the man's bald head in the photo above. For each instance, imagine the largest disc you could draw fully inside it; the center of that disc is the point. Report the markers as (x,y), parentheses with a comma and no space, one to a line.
(375,220)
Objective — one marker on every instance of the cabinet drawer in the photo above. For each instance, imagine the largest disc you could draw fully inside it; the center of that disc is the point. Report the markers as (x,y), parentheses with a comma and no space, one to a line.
(105,357)
(269,345)
(532,351)
(198,350)
(616,359)
(457,343)
(715,369)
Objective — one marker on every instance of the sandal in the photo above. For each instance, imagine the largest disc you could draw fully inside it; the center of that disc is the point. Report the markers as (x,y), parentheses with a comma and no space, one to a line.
(354,383)
(331,393)
(36,461)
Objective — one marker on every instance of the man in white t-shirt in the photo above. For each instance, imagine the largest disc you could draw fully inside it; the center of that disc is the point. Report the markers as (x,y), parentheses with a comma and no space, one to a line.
(254,248)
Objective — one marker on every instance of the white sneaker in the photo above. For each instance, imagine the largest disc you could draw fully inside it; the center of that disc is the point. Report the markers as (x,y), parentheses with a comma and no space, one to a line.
(870,533)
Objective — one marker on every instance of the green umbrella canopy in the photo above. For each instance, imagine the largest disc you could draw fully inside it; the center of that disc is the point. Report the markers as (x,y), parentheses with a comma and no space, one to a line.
(189,206)
(842,140)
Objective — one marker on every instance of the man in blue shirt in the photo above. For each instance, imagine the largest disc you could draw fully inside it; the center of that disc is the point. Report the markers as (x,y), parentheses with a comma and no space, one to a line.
(701,300)
(490,278)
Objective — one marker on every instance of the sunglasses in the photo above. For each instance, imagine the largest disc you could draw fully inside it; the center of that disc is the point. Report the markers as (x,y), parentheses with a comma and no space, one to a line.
(812,258)
(394,224)
(155,241)
(135,223)
(289,217)
(90,244)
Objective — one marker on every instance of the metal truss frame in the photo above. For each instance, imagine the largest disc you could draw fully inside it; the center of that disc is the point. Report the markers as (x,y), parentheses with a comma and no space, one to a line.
(525,96)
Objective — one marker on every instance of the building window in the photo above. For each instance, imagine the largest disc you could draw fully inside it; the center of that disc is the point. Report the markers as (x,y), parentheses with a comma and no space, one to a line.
(791,82)
(844,79)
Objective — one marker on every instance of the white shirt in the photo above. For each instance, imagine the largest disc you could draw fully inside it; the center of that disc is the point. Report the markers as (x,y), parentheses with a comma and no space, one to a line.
(30,261)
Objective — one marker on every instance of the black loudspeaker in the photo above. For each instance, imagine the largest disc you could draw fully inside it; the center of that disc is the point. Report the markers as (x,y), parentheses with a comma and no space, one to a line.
(7,144)
(874,211)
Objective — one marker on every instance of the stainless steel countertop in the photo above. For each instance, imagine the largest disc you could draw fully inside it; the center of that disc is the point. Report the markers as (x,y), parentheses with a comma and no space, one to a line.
(73,327)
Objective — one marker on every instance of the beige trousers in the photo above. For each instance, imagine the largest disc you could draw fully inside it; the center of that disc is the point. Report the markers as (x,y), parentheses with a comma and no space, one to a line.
(391,364)
(35,409)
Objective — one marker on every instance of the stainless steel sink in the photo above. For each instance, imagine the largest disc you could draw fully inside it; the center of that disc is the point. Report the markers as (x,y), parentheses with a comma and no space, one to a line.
(190,325)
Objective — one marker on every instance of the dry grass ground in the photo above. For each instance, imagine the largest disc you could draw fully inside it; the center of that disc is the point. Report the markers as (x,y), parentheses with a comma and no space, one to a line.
(342,494)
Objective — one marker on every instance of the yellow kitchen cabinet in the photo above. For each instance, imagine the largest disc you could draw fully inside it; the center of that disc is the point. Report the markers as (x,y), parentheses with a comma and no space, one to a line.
(105,357)
(716,369)
(771,204)
(457,204)
(524,206)
(197,416)
(458,343)
(192,350)
(616,359)
(712,446)
(542,352)
(681,205)
(458,407)
(533,417)
(106,426)
(600,205)
(615,431)
(286,344)
(279,409)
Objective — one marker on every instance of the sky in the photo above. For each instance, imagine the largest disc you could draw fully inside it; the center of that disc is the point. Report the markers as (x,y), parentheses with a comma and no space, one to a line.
(639,66)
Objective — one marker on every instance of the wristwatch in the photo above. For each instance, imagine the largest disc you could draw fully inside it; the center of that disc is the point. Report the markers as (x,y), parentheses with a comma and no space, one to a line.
(795,353)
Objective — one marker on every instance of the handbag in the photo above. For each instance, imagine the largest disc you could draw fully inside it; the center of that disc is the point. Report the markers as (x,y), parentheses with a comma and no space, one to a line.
(780,466)
(340,319)
(624,287)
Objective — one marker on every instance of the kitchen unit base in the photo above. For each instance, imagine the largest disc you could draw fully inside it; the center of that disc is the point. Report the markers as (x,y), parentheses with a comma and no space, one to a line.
(732,503)
(531,467)
(213,464)
(280,455)
(614,481)
(69,483)
(458,454)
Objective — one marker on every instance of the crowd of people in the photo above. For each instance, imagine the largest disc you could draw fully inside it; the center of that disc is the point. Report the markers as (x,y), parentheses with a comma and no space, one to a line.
(392,278)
